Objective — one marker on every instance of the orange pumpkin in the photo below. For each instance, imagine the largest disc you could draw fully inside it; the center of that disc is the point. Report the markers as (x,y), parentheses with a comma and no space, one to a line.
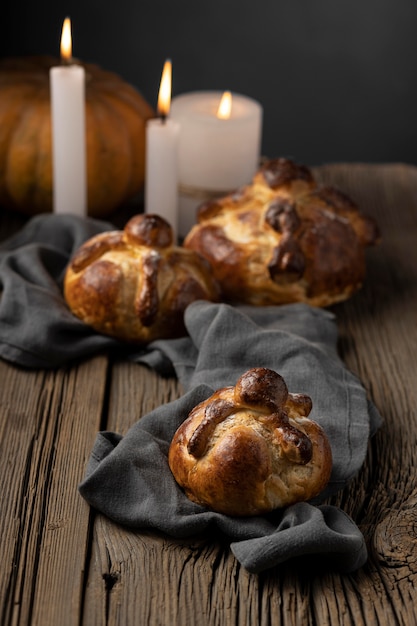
(116,117)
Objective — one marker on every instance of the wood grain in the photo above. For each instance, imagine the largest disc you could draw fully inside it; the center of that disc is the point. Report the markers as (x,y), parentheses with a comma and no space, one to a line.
(48,422)
(64,564)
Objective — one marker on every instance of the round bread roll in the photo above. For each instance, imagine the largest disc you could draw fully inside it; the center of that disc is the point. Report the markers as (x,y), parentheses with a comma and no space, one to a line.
(134,284)
(250,449)
(284,239)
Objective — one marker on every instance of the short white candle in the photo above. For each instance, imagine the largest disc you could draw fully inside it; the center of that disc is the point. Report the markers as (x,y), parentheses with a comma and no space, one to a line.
(67,84)
(216,154)
(161,177)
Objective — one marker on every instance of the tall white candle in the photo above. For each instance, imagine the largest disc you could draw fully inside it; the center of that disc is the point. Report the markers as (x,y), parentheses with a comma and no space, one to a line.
(218,152)
(161,177)
(67,84)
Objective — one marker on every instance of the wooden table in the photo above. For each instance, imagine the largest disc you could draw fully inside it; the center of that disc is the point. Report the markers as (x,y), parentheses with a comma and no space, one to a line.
(62,564)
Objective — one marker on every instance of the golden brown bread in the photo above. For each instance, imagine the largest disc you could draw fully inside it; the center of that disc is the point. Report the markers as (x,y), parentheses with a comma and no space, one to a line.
(135,284)
(284,238)
(251,448)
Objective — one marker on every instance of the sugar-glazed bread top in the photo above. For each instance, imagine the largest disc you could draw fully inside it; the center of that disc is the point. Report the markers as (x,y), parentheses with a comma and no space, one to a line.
(284,238)
(135,284)
(251,448)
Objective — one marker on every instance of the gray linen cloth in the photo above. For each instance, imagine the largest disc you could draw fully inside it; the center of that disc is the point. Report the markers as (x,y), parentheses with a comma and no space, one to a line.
(37,330)
(128,478)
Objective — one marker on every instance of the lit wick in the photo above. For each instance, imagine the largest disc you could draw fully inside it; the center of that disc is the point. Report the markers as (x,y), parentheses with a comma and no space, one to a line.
(164,96)
(66,43)
(225,106)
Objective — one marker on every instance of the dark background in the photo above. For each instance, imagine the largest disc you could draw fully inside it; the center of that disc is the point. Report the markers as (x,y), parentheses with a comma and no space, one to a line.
(337,80)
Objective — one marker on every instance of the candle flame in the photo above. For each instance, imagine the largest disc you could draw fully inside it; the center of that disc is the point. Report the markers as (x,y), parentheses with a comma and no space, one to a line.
(66,41)
(164,96)
(225,106)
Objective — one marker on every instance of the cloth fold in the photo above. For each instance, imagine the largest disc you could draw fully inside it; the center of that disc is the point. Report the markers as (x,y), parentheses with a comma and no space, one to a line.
(37,330)
(300,343)
(128,478)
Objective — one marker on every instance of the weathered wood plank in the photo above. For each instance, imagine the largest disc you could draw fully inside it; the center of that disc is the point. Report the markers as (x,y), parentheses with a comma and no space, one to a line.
(20,425)
(116,573)
(379,340)
(48,421)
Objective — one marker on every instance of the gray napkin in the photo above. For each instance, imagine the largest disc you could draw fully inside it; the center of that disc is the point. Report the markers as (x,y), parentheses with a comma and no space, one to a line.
(128,478)
(37,329)
(296,340)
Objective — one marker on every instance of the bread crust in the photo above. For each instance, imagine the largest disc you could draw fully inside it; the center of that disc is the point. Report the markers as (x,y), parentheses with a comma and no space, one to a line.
(251,448)
(135,284)
(284,239)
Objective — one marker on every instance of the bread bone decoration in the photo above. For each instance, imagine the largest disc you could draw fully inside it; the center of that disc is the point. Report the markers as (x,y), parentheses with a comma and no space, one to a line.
(284,239)
(251,448)
(135,284)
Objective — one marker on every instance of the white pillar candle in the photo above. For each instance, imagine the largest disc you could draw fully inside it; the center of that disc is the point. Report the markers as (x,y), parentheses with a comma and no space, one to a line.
(161,177)
(67,83)
(217,153)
